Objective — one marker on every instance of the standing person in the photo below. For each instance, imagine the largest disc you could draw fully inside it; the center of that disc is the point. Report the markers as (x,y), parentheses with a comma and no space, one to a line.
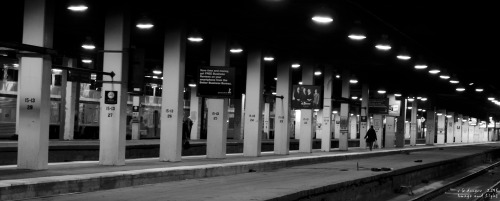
(316,99)
(371,137)
(187,123)
(296,98)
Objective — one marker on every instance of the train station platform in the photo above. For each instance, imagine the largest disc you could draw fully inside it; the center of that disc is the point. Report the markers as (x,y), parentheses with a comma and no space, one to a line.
(288,177)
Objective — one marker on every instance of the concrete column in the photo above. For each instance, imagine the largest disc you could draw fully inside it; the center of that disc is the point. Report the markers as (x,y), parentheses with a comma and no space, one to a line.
(450,138)
(253,109)
(378,126)
(413,124)
(172,101)
(400,133)
(458,129)
(389,132)
(195,114)
(34,87)
(306,115)
(441,126)
(135,116)
(298,121)
(353,120)
(465,129)
(475,132)
(112,121)
(238,116)
(363,128)
(336,133)
(282,115)
(266,119)
(344,112)
(318,120)
(430,123)
(217,108)
(326,129)
(68,108)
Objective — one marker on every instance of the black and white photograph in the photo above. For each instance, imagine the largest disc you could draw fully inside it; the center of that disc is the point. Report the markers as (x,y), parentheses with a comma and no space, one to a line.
(249,100)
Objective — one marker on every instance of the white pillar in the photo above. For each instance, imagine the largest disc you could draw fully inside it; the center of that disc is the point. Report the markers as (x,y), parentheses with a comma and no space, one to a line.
(440,126)
(465,129)
(68,102)
(112,121)
(336,132)
(135,117)
(195,114)
(326,128)
(353,120)
(450,138)
(458,129)
(413,124)
(172,95)
(217,108)
(306,115)
(266,119)
(390,132)
(344,112)
(476,132)
(378,126)
(401,128)
(253,108)
(430,123)
(282,115)
(363,127)
(238,116)
(34,88)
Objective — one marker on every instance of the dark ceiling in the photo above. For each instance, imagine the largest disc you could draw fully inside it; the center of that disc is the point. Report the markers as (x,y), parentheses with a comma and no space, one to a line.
(458,37)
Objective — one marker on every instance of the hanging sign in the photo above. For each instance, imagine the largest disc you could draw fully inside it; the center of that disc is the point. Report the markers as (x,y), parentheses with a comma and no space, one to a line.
(110,97)
(378,105)
(307,97)
(216,82)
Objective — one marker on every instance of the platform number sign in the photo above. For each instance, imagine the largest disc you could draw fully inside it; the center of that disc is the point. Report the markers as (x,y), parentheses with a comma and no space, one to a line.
(30,102)
(110,97)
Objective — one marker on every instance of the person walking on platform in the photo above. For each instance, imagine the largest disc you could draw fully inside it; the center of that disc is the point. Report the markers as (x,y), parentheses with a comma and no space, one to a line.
(370,137)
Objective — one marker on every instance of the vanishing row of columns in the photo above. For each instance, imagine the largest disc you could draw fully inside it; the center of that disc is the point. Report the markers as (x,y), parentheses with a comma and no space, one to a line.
(34,99)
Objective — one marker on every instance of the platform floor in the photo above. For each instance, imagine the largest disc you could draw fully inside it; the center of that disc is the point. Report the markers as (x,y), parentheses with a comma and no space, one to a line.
(249,186)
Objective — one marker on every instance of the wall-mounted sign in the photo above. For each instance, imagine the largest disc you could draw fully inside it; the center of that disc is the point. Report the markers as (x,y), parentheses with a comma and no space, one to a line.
(378,105)
(110,97)
(216,82)
(307,97)
(395,108)
(344,123)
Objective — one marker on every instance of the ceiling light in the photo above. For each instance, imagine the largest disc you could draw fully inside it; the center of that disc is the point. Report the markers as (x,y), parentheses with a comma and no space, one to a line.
(335,112)
(448,116)
(157,72)
(268,58)
(472,83)
(354,97)
(322,19)
(77,6)
(192,85)
(295,65)
(434,71)
(353,81)
(410,108)
(479,89)
(411,99)
(88,44)
(144,23)
(419,110)
(423,110)
(300,82)
(273,93)
(195,37)
(317,73)
(236,50)
(444,77)
(491,98)
(17,65)
(403,57)
(397,95)
(383,44)
(87,61)
(420,66)
(423,99)
(356,37)
(337,76)
(454,81)
(381,91)
(460,88)
(439,114)
(276,78)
